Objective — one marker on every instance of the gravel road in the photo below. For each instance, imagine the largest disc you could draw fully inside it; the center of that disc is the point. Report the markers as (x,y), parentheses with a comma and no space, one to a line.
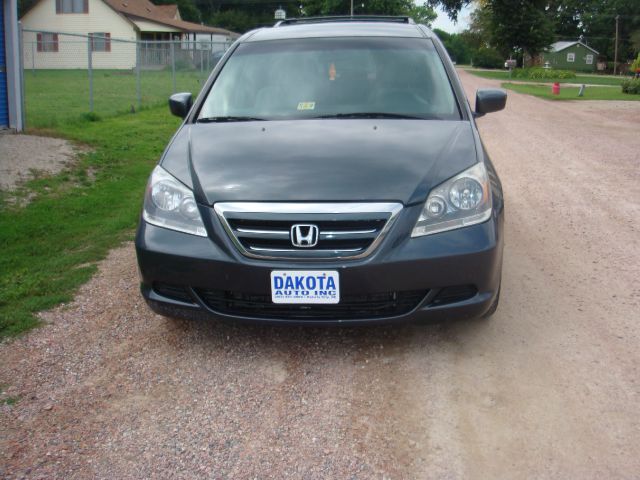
(548,388)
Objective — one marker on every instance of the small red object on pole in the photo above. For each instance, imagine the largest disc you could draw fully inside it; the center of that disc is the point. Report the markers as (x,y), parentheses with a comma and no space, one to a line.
(556,88)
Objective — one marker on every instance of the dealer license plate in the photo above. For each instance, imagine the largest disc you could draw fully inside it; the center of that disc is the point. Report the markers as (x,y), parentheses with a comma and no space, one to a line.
(305,286)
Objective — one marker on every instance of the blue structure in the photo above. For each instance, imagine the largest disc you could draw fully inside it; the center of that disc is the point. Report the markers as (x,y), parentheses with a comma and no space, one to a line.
(4,103)
(11,111)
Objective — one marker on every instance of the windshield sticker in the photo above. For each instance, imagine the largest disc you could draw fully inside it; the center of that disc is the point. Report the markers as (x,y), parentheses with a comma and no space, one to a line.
(307,106)
(332,72)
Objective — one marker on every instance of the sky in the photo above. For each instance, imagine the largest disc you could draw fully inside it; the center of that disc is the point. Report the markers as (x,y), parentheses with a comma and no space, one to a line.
(444,23)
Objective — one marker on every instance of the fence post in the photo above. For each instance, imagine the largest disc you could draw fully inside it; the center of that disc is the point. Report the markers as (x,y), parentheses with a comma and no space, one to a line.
(90,68)
(23,92)
(138,62)
(33,58)
(173,64)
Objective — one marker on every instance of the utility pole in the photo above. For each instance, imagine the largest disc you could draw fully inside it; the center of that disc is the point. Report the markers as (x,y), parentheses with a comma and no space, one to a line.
(352,8)
(615,54)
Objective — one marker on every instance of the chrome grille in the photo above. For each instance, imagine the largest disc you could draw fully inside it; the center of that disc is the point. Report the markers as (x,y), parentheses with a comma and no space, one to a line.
(345,230)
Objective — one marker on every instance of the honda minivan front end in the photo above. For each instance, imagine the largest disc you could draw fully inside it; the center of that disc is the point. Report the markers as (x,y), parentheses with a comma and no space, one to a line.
(328,173)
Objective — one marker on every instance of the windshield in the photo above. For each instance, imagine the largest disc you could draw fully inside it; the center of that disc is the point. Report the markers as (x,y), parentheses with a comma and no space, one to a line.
(325,77)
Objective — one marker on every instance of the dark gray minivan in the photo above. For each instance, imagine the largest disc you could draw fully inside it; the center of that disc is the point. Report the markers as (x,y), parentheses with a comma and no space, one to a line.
(329,172)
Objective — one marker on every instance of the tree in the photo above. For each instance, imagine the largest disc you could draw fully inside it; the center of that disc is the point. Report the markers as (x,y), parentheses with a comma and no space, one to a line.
(593,21)
(241,16)
(420,13)
(520,25)
(459,51)
(423,14)
(508,28)
(451,7)
(234,20)
(478,35)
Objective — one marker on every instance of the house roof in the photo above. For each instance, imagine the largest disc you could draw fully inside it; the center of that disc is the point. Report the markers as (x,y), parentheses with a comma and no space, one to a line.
(169,11)
(559,46)
(144,9)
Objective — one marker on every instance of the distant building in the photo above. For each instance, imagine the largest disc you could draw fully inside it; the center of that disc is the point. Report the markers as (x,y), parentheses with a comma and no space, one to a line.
(571,56)
(107,21)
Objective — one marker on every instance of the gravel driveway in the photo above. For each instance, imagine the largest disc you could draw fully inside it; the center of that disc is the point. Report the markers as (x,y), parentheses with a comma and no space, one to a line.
(548,388)
(23,155)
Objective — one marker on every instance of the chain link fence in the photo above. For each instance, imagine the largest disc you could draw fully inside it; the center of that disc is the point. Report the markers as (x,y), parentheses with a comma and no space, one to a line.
(67,76)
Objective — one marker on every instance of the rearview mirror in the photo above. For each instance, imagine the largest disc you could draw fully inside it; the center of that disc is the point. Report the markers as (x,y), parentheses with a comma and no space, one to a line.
(180,104)
(490,100)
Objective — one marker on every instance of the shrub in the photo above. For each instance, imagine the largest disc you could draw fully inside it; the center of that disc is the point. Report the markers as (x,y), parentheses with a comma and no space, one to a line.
(635,66)
(538,73)
(631,85)
(487,58)
(91,117)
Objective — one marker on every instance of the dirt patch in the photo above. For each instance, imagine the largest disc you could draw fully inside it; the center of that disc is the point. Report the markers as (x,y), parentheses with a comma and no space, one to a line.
(24,156)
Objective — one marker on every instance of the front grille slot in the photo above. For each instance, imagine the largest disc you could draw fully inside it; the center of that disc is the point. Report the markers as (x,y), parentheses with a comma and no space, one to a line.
(448,295)
(351,307)
(341,235)
(344,230)
(175,292)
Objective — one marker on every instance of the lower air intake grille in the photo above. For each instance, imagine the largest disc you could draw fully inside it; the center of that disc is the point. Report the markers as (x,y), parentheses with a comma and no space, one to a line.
(449,295)
(176,292)
(376,305)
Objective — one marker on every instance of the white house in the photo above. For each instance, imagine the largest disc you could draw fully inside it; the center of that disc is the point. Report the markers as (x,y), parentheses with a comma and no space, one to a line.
(58,34)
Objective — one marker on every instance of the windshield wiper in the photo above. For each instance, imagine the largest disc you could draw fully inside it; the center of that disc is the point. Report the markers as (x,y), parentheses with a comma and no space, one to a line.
(228,119)
(371,115)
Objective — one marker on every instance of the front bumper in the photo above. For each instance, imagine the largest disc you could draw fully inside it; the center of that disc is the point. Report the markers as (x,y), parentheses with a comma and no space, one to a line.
(467,261)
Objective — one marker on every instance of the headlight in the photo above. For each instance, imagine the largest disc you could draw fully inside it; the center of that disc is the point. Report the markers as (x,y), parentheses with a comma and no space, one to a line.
(460,201)
(169,204)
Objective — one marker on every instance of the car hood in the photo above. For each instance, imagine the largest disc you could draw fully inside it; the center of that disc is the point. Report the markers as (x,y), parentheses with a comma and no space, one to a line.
(320,160)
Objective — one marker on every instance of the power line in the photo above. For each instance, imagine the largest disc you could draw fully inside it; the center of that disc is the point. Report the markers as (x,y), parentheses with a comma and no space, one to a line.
(615,55)
(576,37)
(606,15)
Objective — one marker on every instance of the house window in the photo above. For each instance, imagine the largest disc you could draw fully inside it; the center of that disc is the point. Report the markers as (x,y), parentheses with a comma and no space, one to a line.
(72,6)
(589,60)
(100,42)
(47,42)
(571,57)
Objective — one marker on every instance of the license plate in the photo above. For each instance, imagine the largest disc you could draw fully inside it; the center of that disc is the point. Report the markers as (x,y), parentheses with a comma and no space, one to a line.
(305,286)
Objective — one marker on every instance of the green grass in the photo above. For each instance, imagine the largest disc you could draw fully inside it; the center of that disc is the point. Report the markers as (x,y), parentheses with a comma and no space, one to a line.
(7,399)
(580,78)
(571,93)
(53,97)
(51,246)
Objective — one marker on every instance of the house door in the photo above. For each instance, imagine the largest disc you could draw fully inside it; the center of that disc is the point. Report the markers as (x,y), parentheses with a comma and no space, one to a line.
(4,106)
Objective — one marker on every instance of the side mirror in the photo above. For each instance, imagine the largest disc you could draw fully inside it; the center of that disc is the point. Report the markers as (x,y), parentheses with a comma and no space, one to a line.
(490,100)
(180,104)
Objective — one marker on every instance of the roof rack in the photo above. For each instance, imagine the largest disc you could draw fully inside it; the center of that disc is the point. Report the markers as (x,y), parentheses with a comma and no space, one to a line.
(345,18)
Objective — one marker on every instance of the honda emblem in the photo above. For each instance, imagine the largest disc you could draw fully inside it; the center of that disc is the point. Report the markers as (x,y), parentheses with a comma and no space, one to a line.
(304,236)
